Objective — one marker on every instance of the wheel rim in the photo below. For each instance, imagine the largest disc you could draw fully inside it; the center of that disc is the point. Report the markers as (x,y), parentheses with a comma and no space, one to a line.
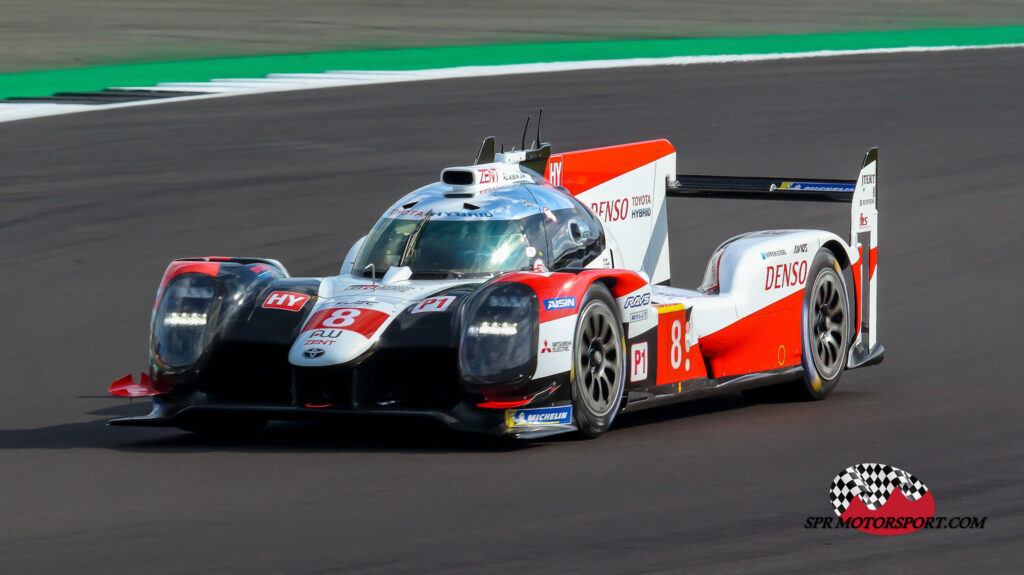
(599,360)
(828,329)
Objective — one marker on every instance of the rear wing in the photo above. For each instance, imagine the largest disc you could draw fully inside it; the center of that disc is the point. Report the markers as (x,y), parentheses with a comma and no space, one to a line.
(861,194)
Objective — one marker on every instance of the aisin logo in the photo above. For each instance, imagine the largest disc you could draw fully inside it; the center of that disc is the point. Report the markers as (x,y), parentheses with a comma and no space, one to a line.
(881,499)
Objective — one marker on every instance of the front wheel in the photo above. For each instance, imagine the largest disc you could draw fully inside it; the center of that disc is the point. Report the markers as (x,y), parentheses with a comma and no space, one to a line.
(598,363)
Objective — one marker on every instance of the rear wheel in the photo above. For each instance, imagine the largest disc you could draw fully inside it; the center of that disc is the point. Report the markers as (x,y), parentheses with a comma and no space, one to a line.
(598,363)
(826,328)
(825,335)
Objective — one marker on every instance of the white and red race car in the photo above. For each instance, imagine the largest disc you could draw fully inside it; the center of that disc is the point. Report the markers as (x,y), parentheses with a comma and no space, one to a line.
(526,294)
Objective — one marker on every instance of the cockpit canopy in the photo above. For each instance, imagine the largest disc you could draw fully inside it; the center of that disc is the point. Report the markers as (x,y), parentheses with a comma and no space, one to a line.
(450,248)
(453,230)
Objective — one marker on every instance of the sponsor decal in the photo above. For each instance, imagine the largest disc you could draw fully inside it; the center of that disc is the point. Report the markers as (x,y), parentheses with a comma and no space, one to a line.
(433,304)
(556,346)
(612,210)
(555,171)
(488,176)
(473,214)
(642,207)
(327,333)
(863,221)
(550,215)
(867,202)
(868,179)
(406,213)
(641,213)
(513,177)
(365,322)
(318,342)
(639,300)
(357,302)
(800,249)
(380,287)
(772,254)
(288,300)
(638,315)
(398,212)
(558,303)
(624,208)
(539,416)
(816,187)
(313,353)
(884,500)
(638,362)
(785,275)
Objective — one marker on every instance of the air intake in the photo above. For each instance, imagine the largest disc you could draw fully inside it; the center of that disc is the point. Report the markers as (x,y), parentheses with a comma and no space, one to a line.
(457,177)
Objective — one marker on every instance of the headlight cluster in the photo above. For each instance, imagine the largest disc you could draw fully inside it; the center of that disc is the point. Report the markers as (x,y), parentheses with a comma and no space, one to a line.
(179,323)
(499,335)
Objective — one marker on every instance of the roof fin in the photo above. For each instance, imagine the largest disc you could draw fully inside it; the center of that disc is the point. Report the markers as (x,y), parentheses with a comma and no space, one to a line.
(486,153)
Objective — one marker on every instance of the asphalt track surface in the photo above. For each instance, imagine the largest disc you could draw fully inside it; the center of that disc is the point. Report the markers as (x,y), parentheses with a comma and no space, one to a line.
(94,205)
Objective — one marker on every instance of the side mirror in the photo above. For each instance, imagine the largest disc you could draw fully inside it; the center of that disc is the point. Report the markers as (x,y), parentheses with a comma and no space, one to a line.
(577,232)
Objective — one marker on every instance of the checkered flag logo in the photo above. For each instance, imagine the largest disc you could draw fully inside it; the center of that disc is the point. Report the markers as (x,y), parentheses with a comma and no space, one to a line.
(873,483)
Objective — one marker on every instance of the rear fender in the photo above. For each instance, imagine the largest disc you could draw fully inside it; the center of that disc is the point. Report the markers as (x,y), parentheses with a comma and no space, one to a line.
(763,275)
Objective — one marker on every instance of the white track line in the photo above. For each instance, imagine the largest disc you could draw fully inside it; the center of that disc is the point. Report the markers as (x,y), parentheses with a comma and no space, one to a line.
(223,87)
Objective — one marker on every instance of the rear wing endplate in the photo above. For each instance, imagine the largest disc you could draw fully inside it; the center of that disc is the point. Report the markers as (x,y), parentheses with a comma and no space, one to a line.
(861,194)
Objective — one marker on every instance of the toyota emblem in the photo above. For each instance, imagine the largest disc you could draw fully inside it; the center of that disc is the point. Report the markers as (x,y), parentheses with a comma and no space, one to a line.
(313,352)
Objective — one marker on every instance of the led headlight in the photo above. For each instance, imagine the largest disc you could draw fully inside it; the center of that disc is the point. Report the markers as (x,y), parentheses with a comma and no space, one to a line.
(179,323)
(499,334)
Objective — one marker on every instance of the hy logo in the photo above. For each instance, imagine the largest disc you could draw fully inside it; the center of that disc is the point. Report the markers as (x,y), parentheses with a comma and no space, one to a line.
(872,497)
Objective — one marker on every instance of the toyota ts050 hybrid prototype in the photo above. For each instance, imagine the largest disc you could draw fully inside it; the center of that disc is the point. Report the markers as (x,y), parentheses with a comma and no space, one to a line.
(525,295)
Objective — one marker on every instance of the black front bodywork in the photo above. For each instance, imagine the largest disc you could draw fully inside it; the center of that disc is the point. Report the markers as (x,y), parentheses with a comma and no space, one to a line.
(239,357)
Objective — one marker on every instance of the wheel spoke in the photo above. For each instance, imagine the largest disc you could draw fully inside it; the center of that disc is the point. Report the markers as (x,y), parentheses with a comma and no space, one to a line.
(611,352)
(600,380)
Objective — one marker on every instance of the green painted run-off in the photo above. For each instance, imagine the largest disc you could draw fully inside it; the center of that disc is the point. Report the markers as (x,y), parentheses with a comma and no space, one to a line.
(45,83)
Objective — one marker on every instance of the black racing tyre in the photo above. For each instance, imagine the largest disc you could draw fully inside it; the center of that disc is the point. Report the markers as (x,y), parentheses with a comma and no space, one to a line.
(825,335)
(599,366)
(826,328)
(223,426)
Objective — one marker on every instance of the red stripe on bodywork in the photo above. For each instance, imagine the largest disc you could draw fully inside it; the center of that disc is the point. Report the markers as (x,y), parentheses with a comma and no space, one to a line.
(504,404)
(767,339)
(176,268)
(558,284)
(586,169)
(857,281)
(363,321)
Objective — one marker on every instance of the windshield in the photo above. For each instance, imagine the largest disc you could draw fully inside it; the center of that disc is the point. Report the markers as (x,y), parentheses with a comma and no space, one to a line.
(446,248)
